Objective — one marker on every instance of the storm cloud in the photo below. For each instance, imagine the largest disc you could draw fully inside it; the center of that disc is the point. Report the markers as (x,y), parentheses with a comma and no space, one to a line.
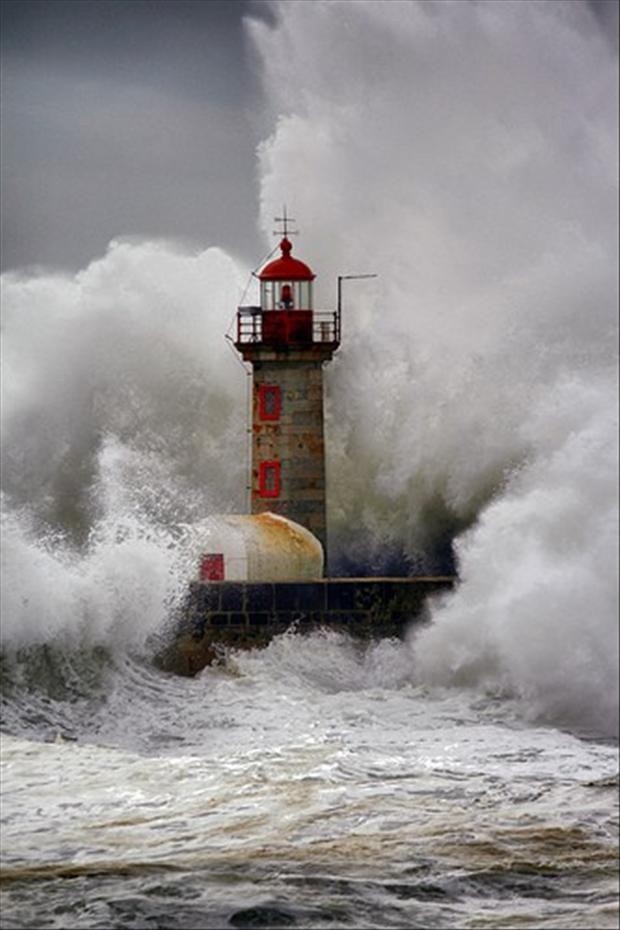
(127,119)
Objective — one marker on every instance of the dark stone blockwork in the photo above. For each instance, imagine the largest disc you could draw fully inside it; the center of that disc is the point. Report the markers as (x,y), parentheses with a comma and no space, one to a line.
(237,614)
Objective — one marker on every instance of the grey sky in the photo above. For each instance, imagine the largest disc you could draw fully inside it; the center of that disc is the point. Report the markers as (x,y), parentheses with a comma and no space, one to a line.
(127,118)
(133,117)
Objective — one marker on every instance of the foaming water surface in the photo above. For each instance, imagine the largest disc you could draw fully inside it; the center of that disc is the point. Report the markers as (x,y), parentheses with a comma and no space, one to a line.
(311,784)
(465,777)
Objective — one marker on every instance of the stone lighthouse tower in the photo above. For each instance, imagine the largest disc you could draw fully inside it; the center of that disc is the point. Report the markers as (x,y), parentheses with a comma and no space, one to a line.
(287,343)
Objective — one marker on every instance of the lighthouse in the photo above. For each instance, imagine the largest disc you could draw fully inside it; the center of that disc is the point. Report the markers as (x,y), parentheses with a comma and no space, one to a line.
(264,572)
(287,342)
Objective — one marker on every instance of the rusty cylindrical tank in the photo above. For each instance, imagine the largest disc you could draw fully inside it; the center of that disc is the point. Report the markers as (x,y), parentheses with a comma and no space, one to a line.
(257,547)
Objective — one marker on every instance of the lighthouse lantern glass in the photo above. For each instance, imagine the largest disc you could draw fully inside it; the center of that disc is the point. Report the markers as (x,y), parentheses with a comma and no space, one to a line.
(286,295)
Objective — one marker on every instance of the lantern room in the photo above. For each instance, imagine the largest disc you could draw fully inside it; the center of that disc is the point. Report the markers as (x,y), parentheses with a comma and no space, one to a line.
(286,317)
(286,283)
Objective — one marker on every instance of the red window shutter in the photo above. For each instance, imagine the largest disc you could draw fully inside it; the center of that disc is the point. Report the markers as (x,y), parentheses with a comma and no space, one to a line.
(269,401)
(212,566)
(269,479)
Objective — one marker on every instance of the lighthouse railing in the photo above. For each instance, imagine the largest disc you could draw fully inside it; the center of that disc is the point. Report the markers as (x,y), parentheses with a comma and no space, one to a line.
(325,326)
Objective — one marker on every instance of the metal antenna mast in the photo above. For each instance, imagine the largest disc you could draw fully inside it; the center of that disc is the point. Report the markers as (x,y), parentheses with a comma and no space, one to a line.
(285,220)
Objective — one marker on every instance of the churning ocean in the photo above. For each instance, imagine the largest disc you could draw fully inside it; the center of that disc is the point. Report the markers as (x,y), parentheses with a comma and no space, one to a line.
(466,776)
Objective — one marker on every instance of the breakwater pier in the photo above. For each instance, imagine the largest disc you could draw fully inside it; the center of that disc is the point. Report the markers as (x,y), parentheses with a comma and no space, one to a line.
(244,614)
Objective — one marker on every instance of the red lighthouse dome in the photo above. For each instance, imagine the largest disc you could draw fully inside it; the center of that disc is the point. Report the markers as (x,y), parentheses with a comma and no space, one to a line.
(286,284)
(286,268)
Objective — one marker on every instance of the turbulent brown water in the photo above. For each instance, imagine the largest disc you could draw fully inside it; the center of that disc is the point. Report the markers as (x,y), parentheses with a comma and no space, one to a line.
(465,777)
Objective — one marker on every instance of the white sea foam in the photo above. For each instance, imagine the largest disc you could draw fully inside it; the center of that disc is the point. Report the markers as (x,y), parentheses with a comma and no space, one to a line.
(536,612)
(114,595)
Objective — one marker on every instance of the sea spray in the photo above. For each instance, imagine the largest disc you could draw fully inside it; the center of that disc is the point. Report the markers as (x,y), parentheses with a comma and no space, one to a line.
(131,347)
(477,382)
(536,611)
(484,198)
(114,593)
(119,396)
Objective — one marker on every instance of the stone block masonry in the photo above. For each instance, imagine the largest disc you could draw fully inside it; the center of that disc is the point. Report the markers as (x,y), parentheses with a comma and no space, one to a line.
(237,614)
(295,440)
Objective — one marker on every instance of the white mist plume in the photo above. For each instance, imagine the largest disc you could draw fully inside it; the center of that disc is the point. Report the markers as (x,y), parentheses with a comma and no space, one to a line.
(123,415)
(131,347)
(467,152)
(536,612)
(115,594)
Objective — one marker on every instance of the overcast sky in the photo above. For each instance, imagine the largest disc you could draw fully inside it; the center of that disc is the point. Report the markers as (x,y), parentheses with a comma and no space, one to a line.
(133,117)
(127,117)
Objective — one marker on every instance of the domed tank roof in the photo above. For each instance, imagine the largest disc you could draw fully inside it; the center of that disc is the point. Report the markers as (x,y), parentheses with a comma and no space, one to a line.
(259,547)
(286,268)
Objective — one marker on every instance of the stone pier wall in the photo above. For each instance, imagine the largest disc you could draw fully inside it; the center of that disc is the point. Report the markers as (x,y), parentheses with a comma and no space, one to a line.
(247,615)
